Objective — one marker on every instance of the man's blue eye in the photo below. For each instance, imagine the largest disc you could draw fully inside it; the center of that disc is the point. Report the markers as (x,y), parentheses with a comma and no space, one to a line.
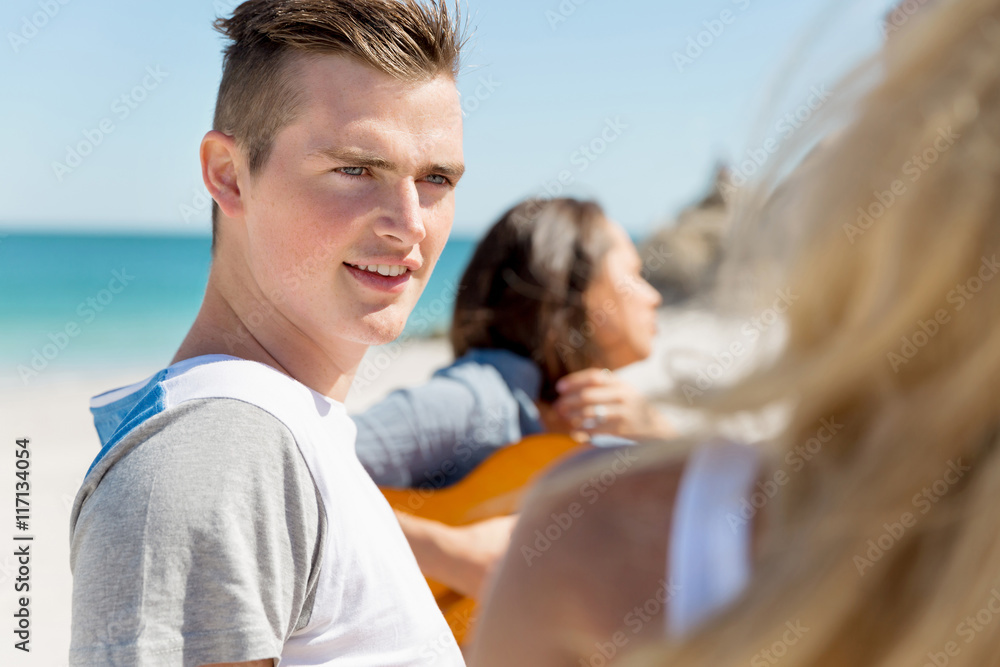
(352,171)
(433,178)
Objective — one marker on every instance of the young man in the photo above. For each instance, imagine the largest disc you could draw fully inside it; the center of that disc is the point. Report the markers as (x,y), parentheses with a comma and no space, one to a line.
(226,518)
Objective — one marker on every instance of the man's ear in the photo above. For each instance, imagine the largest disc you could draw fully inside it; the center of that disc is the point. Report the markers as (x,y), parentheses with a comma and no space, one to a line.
(218,170)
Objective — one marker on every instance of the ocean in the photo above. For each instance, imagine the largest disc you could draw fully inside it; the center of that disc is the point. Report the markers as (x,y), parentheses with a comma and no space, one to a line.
(76,302)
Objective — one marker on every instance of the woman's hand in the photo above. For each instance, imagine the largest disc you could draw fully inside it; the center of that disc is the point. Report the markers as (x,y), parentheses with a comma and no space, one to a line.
(596,401)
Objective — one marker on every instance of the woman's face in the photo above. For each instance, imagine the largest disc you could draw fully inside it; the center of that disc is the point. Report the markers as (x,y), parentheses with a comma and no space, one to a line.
(621,305)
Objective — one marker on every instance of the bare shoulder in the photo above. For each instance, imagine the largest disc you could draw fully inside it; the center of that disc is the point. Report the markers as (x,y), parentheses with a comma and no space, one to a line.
(620,498)
(590,554)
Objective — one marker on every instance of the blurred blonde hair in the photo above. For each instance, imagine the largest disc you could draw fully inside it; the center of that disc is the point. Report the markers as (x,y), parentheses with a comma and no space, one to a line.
(883,341)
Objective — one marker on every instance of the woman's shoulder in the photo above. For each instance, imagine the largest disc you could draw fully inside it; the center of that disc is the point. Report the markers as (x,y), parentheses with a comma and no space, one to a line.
(611,475)
(599,532)
(593,535)
(498,366)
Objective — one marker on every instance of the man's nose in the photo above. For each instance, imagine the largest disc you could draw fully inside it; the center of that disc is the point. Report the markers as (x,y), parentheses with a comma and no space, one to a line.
(403,216)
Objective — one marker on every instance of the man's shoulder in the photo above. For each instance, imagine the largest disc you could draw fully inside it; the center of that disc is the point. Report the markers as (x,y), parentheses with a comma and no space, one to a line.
(204,513)
(198,448)
(211,429)
(236,402)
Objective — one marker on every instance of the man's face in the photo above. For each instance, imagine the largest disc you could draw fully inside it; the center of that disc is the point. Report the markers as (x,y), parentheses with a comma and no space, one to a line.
(364,177)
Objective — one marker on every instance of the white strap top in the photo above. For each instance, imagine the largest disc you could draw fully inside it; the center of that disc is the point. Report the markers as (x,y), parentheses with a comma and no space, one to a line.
(709,549)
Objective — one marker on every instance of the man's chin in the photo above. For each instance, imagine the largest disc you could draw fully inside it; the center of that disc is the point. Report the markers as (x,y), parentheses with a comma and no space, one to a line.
(373,333)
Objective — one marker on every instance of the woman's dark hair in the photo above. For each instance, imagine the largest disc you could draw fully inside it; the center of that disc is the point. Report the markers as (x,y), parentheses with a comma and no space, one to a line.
(523,289)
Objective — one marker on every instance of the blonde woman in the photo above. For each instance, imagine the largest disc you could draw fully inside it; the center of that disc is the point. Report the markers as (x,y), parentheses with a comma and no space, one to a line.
(867,532)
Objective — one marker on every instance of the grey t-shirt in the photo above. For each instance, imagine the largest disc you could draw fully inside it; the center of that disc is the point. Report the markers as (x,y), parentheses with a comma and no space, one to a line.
(200,542)
(227,519)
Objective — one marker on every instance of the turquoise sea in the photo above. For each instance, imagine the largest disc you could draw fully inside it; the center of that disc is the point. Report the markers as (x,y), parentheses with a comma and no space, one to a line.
(72,302)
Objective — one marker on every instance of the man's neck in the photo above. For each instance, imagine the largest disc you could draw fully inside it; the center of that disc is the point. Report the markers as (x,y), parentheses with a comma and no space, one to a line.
(224,325)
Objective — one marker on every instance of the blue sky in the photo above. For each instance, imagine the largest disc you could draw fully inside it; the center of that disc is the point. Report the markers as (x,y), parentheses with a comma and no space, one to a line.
(542,79)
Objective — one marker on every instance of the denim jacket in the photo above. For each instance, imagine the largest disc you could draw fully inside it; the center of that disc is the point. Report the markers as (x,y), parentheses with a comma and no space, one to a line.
(435,434)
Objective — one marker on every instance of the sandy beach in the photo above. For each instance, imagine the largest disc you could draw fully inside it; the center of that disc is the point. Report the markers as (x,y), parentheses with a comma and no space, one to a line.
(53,413)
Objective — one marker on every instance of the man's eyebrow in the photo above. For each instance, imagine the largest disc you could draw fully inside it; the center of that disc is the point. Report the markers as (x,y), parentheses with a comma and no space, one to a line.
(362,158)
(356,157)
(452,169)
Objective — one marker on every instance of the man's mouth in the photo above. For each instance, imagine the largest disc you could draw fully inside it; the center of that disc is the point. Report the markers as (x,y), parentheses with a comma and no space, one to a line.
(387,278)
(391,270)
